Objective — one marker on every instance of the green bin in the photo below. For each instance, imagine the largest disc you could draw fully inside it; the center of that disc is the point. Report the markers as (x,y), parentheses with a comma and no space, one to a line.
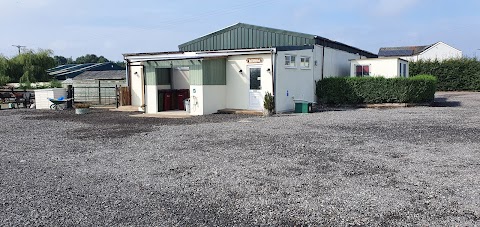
(303,107)
(161,94)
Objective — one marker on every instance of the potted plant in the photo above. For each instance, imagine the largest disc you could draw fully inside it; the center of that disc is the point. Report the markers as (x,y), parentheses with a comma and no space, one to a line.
(268,104)
(82,108)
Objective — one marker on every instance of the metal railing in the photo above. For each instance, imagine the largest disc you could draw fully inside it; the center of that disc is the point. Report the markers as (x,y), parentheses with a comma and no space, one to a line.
(96,95)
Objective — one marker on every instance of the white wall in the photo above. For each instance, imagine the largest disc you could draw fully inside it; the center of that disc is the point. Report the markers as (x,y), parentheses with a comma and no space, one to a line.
(151,99)
(136,85)
(337,62)
(180,78)
(386,67)
(238,84)
(42,96)
(207,99)
(439,51)
(293,83)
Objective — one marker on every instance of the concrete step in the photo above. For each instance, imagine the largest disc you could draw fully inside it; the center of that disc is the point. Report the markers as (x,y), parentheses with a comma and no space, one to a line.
(239,111)
(127,109)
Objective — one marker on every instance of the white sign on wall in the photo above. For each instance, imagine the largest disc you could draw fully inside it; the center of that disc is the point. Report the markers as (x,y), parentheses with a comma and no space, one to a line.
(254,60)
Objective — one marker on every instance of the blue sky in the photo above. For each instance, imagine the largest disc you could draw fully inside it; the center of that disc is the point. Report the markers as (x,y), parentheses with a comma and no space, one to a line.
(109,28)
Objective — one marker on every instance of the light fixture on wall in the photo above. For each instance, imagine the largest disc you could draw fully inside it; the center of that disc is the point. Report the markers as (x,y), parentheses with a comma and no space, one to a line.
(268,70)
(135,73)
(240,71)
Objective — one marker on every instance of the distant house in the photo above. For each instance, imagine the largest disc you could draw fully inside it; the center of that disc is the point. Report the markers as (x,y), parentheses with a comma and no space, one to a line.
(64,72)
(388,67)
(438,51)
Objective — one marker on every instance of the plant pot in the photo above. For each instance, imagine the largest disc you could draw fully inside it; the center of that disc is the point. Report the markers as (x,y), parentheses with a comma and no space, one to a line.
(82,110)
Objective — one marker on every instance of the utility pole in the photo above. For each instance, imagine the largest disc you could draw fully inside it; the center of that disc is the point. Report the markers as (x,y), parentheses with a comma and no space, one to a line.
(19,47)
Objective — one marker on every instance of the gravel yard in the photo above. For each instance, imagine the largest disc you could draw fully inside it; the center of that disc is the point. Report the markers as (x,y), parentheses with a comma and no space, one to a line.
(403,166)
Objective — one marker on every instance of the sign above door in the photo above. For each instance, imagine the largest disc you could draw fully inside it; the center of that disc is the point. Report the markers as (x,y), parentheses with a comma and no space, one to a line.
(254,60)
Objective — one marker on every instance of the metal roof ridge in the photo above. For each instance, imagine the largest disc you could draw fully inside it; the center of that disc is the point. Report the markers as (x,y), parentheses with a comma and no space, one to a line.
(239,24)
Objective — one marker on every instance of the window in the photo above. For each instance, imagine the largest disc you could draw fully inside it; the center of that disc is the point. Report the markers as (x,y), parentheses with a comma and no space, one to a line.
(290,61)
(255,78)
(362,70)
(305,62)
(403,70)
(163,76)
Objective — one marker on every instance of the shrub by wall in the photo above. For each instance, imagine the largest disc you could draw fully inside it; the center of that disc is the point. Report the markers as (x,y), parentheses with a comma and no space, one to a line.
(452,75)
(370,90)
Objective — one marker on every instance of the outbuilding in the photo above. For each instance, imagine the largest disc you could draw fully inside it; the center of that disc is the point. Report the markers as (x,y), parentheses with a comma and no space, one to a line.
(439,51)
(234,67)
(384,67)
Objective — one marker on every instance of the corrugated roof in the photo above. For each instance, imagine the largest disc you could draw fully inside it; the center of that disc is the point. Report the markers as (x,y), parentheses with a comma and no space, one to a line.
(402,51)
(72,70)
(246,36)
(102,75)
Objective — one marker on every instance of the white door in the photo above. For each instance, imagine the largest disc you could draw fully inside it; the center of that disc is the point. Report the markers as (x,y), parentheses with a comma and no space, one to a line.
(255,92)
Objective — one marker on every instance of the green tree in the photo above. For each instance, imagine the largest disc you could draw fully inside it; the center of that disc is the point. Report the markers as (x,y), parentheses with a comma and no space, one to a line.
(31,66)
(121,64)
(4,78)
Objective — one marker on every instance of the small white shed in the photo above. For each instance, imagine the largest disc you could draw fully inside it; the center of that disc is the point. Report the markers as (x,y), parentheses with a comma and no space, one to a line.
(42,96)
(385,67)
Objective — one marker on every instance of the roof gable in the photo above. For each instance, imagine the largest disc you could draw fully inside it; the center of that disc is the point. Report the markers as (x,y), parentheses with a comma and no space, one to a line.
(246,36)
(402,51)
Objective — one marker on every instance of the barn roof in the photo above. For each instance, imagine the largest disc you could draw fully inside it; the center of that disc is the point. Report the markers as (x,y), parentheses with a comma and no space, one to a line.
(246,36)
(402,51)
(102,75)
(63,72)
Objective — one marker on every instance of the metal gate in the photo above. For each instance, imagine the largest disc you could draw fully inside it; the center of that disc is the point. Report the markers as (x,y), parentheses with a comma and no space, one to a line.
(104,96)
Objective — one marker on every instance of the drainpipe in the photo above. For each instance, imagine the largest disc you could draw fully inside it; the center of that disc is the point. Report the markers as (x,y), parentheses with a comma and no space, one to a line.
(323,59)
(143,88)
(274,72)
(128,76)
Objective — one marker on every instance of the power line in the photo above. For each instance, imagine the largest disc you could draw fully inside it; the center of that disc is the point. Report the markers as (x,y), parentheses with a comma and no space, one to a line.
(19,48)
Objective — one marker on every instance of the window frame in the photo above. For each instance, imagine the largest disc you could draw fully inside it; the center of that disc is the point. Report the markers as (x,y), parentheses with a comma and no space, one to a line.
(306,58)
(362,73)
(290,61)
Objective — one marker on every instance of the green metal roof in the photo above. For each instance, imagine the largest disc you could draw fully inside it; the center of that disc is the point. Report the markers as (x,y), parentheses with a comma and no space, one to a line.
(246,36)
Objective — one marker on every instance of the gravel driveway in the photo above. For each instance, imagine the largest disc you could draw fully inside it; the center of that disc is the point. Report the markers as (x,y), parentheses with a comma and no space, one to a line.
(400,167)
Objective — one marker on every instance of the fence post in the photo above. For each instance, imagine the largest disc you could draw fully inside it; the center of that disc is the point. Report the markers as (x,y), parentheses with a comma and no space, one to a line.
(69,96)
(117,95)
(99,93)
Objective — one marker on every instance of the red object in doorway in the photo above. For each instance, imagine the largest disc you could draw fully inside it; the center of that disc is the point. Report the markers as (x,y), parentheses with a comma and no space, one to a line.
(167,100)
(182,94)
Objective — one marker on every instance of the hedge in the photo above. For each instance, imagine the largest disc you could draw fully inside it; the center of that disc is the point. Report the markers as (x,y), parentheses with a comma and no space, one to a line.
(371,90)
(452,75)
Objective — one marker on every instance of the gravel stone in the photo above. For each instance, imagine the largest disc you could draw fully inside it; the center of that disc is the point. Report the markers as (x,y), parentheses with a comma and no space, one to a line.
(337,167)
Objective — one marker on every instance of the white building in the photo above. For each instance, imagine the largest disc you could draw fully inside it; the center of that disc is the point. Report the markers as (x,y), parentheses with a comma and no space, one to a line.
(234,67)
(384,67)
(438,51)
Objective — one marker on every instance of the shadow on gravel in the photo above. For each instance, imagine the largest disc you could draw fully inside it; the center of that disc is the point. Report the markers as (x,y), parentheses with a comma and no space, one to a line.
(443,102)
(102,123)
